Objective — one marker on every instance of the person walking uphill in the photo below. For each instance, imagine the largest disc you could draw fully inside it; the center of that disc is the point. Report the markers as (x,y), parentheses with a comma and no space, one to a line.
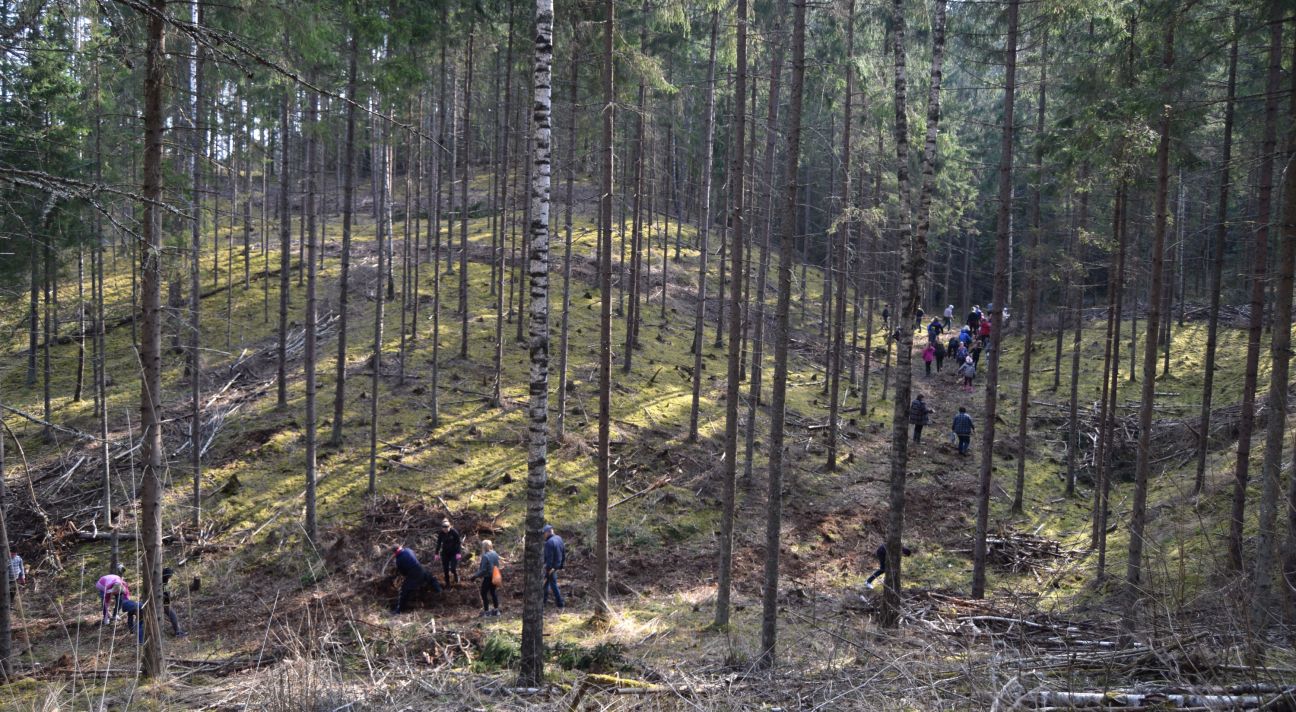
(919,415)
(167,573)
(962,427)
(940,355)
(555,555)
(17,573)
(489,572)
(449,548)
(111,587)
(881,569)
(408,566)
(968,372)
(929,355)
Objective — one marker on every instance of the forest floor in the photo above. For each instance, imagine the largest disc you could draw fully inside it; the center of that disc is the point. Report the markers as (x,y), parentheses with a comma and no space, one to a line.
(277,624)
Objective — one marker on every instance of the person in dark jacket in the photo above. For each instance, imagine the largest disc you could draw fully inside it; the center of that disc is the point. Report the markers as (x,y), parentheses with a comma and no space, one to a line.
(962,427)
(167,573)
(975,352)
(881,558)
(886,316)
(919,415)
(416,577)
(940,354)
(555,555)
(449,548)
(974,319)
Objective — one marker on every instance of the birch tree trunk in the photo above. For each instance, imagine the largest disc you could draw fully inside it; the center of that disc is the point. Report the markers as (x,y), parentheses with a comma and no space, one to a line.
(532,673)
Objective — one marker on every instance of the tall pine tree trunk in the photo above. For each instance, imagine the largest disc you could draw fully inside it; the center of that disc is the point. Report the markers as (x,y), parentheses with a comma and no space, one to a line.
(152,660)
(1002,238)
(285,250)
(601,605)
(465,159)
(568,209)
(1259,266)
(195,297)
(312,269)
(1262,610)
(704,229)
(838,340)
(733,384)
(344,266)
(778,395)
(1217,267)
(1143,456)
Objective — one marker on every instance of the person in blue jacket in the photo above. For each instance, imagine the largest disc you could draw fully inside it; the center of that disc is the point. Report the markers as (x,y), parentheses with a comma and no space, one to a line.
(416,577)
(963,428)
(555,555)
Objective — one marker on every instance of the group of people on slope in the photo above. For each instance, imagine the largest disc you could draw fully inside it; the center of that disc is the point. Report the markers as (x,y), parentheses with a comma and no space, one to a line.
(963,347)
(960,428)
(115,598)
(449,551)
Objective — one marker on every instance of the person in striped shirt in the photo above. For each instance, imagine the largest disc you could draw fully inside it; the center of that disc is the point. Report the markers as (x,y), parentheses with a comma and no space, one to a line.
(17,574)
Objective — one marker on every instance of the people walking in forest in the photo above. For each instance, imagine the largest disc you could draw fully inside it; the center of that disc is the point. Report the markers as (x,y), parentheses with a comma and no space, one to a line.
(555,556)
(919,415)
(881,559)
(962,427)
(961,353)
(968,372)
(918,318)
(416,577)
(169,612)
(928,356)
(975,352)
(489,573)
(965,336)
(940,354)
(935,329)
(449,549)
(983,332)
(948,316)
(17,573)
(974,319)
(886,317)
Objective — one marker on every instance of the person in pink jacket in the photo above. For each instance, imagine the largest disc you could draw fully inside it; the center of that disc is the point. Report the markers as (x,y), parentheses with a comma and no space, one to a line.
(112,586)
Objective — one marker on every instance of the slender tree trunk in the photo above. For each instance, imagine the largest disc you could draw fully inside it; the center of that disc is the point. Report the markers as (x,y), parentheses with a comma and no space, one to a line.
(532,673)
(733,384)
(708,148)
(1288,241)
(344,267)
(996,314)
(778,396)
(1032,285)
(1217,267)
(568,208)
(605,319)
(384,234)
(636,220)
(1143,456)
(497,263)
(465,164)
(1111,375)
(837,341)
(1262,611)
(762,273)
(312,269)
(152,661)
(195,298)
(6,614)
(81,327)
(285,250)
(1077,315)
(1259,281)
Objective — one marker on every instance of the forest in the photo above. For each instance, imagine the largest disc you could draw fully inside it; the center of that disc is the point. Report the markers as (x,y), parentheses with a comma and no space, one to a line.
(671,354)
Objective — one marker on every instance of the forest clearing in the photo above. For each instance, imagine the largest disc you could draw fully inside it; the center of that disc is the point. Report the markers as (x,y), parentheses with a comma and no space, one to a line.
(664,355)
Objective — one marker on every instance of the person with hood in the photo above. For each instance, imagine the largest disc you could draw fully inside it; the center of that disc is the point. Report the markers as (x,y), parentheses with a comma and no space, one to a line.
(919,415)
(965,336)
(416,577)
(962,428)
(968,372)
(167,573)
(488,572)
(949,316)
(881,558)
(111,587)
(449,549)
(935,329)
(555,556)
